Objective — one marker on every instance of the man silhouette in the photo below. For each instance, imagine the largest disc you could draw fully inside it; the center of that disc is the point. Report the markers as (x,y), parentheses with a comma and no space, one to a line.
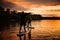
(23,21)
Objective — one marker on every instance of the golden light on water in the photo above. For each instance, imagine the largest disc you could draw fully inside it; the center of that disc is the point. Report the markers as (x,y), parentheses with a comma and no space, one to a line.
(42,28)
(48,27)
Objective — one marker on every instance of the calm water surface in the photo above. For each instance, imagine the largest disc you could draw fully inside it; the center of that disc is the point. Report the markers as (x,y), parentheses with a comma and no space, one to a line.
(43,30)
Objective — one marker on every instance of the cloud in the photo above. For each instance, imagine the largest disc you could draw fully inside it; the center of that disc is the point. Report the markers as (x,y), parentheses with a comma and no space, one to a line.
(11,5)
(53,2)
(27,4)
(42,1)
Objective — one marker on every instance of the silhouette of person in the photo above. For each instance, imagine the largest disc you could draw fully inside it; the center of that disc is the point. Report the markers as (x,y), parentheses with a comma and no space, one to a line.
(23,20)
(29,21)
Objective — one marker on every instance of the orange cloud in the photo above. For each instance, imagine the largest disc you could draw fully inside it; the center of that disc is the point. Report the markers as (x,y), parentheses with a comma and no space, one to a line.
(46,10)
(36,6)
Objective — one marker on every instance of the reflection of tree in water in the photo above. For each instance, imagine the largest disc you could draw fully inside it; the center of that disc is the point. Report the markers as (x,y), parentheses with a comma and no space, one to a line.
(2,25)
(6,24)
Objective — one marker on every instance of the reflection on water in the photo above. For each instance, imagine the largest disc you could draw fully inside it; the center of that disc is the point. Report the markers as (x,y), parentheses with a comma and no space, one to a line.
(44,30)
(25,36)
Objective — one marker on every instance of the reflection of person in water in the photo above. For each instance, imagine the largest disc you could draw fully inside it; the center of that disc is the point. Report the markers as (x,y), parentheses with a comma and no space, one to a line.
(22,37)
(29,35)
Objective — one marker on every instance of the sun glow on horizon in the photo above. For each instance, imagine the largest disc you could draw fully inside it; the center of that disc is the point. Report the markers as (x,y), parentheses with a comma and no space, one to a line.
(45,9)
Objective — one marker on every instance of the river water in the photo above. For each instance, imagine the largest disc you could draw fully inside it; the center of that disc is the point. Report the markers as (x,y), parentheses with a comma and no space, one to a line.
(43,30)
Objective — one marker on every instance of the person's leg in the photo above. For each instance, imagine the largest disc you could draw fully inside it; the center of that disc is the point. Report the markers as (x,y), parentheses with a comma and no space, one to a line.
(20,28)
(28,26)
(24,27)
(30,23)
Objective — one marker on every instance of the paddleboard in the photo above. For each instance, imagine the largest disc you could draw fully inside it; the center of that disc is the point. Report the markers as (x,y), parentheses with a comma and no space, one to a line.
(21,34)
(30,27)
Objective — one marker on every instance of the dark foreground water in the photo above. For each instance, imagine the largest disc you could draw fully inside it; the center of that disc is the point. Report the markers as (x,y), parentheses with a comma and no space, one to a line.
(43,30)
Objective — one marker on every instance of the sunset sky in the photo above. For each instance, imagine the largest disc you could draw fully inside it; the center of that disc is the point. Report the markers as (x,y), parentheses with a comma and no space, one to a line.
(34,6)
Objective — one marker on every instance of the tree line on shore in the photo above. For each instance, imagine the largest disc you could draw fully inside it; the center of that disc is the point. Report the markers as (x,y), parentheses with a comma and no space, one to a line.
(8,15)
